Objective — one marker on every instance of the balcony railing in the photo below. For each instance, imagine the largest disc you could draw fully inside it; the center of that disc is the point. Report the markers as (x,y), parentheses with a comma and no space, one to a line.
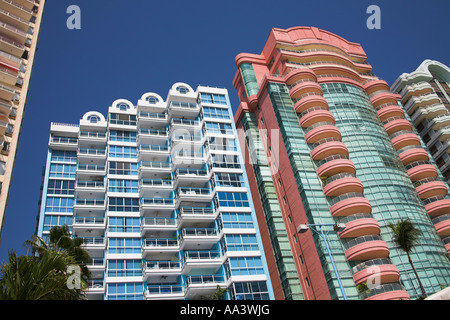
(65,140)
(91,151)
(151,147)
(91,167)
(204,279)
(362,239)
(193,191)
(90,202)
(164,243)
(92,134)
(155,182)
(346,196)
(155,164)
(90,184)
(147,221)
(196,211)
(381,289)
(164,290)
(162,265)
(370,263)
(154,132)
(152,115)
(185,122)
(183,105)
(199,232)
(194,172)
(157,201)
(89,220)
(339,176)
(202,255)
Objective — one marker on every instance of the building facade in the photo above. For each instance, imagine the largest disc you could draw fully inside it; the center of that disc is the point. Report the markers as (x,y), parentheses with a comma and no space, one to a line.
(159,192)
(425,95)
(332,161)
(20,22)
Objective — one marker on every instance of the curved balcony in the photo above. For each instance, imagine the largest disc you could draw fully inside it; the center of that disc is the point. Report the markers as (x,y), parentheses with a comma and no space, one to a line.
(334,164)
(395,124)
(342,183)
(375,85)
(308,101)
(387,291)
(383,269)
(429,187)
(437,206)
(384,96)
(299,74)
(322,130)
(359,224)
(419,170)
(366,248)
(388,110)
(304,86)
(442,225)
(412,153)
(404,138)
(315,115)
(327,147)
(349,203)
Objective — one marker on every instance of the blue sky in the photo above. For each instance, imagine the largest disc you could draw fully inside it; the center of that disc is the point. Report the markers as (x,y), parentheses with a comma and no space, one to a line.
(127,48)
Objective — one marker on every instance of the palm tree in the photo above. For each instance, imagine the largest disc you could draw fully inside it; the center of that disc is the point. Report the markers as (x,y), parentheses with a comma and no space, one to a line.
(60,240)
(44,274)
(406,235)
(40,277)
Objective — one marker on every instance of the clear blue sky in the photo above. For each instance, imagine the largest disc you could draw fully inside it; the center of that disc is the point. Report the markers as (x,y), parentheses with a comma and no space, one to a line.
(127,48)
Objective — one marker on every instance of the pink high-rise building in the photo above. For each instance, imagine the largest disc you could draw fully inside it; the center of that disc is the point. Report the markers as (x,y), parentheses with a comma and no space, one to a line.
(332,160)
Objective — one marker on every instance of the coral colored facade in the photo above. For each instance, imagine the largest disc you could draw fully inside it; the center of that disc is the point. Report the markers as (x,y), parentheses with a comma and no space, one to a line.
(20,24)
(325,142)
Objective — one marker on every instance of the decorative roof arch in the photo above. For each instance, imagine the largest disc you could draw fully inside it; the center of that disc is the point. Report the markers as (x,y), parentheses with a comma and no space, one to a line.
(93,117)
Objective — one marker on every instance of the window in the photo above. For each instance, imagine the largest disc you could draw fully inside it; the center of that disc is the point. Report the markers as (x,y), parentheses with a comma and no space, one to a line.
(124,268)
(124,224)
(123,106)
(51,221)
(93,119)
(130,186)
(219,113)
(64,156)
(182,90)
(124,245)
(62,171)
(152,99)
(229,180)
(125,136)
(122,152)
(219,128)
(245,266)
(213,98)
(2,167)
(123,204)
(241,242)
(61,187)
(123,168)
(238,220)
(225,161)
(250,291)
(54,204)
(233,199)
(122,119)
(125,291)
(216,143)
